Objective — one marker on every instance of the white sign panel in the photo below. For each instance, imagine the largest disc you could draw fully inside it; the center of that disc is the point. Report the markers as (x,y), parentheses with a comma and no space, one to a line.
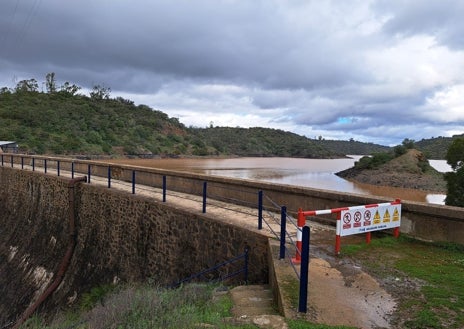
(367,219)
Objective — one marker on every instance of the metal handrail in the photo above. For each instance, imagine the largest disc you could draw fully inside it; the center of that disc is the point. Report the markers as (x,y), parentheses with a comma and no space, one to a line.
(244,270)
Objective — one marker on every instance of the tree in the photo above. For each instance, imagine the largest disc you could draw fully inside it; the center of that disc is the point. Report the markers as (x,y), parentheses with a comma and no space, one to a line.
(408,143)
(30,85)
(100,92)
(50,82)
(455,179)
(70,89)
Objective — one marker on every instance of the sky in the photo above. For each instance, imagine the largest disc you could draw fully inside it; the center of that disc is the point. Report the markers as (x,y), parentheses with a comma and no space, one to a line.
(375,71)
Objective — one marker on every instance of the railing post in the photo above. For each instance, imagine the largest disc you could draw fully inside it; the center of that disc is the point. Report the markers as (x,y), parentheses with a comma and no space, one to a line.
(164,188)
(33,164)
(247,250)
(283,231)
(109,176)
(260,210)
(58,167)
(12,162)
(89,171)
(304,269)
(45,165)
(2,160)
(72,170)
(204,196)
(22,162)
(133,181)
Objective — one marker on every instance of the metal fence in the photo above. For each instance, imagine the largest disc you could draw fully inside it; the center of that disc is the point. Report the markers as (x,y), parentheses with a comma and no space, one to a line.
(253,202)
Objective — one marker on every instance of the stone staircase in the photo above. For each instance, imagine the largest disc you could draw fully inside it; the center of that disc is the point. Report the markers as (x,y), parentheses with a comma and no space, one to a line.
(254,304)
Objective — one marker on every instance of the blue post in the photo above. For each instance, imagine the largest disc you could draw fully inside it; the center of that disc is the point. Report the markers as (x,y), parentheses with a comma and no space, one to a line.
(45,165)
(247,249)
(204,196)
(164,188)
(89,171)
(11,161)
(260,210)
(109,176)
(22,162)
(304,269)
(58,167)
(33,164)
(2,160)
(133,181)
(72,170)
(283,231)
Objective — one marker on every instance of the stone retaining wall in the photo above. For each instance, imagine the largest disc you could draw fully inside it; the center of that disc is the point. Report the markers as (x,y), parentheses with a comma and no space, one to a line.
(120,238)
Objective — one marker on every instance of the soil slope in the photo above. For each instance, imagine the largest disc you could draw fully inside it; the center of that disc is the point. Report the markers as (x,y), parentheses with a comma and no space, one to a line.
(410,170)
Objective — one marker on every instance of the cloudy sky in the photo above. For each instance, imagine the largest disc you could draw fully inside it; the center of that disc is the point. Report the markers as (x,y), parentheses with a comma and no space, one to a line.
(376,71)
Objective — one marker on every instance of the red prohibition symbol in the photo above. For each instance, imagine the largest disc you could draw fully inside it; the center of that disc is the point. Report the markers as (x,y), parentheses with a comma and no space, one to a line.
(367,215)
(347,218)
(357,216)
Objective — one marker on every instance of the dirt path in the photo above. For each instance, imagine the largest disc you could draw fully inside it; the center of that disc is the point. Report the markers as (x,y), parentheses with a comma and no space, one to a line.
(339,293)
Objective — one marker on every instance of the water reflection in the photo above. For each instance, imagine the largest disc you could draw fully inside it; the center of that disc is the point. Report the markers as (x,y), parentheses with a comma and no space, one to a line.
(316,173)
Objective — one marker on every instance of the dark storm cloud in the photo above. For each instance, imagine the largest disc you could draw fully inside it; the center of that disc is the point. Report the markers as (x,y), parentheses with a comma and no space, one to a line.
(314,67)
(234,41)
(442,19)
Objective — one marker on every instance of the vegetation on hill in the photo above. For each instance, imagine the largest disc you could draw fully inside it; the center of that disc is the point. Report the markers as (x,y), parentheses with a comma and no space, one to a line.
(261,142)
(406,168)
(436,148)
(351,147)
(61,121)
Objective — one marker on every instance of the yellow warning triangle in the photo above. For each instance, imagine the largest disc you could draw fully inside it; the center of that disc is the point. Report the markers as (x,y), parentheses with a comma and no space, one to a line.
(396,215)
(386,217)
(377,217)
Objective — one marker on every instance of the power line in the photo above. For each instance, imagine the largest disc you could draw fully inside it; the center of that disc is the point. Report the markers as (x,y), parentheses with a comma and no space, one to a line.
(8,26)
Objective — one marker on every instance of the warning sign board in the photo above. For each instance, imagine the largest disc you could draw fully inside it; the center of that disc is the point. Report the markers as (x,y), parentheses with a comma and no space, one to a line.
(355,220)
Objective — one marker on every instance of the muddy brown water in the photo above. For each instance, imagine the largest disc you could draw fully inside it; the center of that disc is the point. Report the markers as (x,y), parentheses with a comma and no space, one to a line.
(315,173)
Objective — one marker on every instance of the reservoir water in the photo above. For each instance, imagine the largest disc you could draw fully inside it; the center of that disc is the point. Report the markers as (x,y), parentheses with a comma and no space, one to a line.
(316,173)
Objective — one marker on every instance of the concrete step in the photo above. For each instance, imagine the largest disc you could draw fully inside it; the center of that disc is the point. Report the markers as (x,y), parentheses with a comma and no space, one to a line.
(254,304)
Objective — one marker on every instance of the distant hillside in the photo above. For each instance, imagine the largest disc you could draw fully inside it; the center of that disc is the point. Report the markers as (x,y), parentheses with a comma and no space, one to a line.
(60,123)
(435,148)
(410,170)
(65,123)
(351,147)
(262,142)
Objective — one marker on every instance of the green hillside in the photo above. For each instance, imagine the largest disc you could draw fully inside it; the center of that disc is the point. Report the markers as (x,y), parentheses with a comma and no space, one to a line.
(66,123)
(351,147)
(436,148)
(71,124)
(261,142)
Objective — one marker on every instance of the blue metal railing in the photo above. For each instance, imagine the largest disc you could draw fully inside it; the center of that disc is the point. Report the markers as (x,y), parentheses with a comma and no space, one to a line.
(243,269)
(267,209)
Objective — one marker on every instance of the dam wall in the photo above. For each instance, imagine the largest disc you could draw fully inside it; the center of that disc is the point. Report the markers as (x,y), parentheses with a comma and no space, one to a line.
(429,222)
(119,237)
(124,237)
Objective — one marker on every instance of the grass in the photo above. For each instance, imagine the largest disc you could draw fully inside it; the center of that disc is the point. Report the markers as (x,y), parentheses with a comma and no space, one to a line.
(148,307)
(435,270)
(190,306)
